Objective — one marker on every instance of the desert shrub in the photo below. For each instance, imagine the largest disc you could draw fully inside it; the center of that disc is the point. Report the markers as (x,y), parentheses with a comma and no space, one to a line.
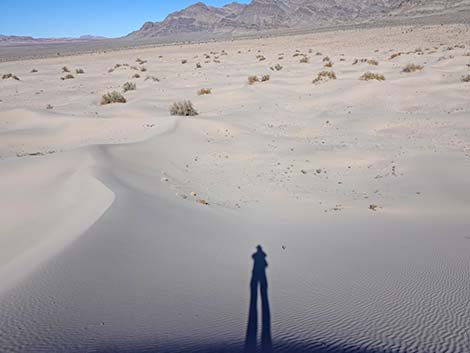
(278,67)
(140,61)
(412,68)
(34,70)
(252,79)
(113,97)
(265,78)
(304,60)
(355,61)
(372,76)
(324,76)
(136,76)
(143,69)
(79,71)
(466,78)
(153,78)
(326,58)
(328,64)
(198,65)
(65,69)
(111,70)
(183,108)
(395,55)
(260,57)
(67,77)
(372,62)
(10,75)
(318,53)
(204,91)
(129,86)
(117,66)
(184,61)
(49,107)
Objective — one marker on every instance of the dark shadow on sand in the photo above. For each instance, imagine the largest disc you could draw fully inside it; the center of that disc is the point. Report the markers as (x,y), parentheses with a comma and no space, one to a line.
(259,279)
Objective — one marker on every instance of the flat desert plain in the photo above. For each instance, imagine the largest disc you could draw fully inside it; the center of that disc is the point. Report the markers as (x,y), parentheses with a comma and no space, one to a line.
(124,228)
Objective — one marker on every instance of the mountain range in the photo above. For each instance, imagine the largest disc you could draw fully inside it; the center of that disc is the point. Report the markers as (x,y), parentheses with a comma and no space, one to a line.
(261,15)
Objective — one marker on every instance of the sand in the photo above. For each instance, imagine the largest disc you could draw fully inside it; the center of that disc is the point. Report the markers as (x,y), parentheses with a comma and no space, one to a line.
(126,229)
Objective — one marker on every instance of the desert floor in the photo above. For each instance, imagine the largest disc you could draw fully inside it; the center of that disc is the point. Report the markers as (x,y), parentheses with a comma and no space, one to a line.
(126,229)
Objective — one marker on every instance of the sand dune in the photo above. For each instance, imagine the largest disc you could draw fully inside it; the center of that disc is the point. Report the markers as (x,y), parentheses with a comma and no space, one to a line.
(126,229)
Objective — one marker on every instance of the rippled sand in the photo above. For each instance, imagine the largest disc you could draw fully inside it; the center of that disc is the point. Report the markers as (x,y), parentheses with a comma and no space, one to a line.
(125,229)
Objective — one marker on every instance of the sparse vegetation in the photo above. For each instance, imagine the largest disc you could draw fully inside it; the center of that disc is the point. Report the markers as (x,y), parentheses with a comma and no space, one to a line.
(10,75)
(183,108)
(204,91)
(153,78)
(372,76)
(412,68)
(373,62)
(252,79)
(129,86)
(65,69)
(265,78)
(67,77)
(324,76)
(113,97)
(79,71)
(328,64)
(304,60)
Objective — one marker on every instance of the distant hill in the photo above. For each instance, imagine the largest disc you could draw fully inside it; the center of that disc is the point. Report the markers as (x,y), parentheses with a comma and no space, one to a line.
(21,40)
(261,15)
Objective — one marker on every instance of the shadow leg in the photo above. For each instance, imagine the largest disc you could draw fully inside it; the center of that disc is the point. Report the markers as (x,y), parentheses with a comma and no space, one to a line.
(252,327)
(266,341)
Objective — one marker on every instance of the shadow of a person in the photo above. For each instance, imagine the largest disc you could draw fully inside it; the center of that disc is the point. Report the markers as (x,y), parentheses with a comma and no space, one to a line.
(258,276)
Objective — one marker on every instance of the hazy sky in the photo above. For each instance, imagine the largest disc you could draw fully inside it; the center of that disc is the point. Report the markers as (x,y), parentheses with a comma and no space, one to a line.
(72,18)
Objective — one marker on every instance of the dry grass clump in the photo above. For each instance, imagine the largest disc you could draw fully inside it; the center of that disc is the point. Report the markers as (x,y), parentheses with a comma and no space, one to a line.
(204,91)
(304,60)
(129,86)
(67,77)
(252,79)
(466,78)
(395,55)
(325,76)
(65,69)
(10,75)
(373,62)
(79,71)
(412,68)
(372,76)
(153,78)
(183,108)
(113,97)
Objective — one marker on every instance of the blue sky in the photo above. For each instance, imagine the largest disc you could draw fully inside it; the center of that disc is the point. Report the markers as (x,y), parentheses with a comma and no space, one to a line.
(72,18)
